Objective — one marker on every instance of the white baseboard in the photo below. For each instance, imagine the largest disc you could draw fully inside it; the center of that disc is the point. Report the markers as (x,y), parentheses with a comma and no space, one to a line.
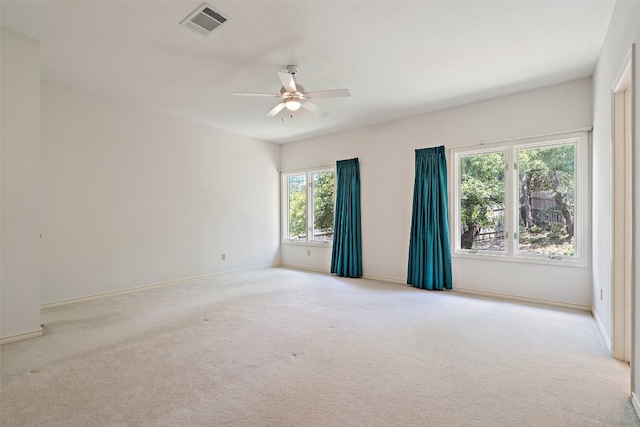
(522,299)
(155,285)
(21,337)
(305,268)
(635,403)
(386,279)
(460,290)
(603,332)
(319,270)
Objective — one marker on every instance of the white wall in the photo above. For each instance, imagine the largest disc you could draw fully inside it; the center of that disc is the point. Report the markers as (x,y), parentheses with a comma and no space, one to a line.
(131,197)
(20,248)
(386,154)
(624,30)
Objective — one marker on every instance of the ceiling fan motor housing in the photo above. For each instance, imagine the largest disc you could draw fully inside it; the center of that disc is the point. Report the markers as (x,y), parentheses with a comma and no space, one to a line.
(293,95)
(299,93)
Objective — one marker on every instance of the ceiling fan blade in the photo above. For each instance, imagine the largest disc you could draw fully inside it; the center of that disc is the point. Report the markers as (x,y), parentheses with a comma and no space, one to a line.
(333,93)
(288,82)
(257,94)
(314,108)
(275,110)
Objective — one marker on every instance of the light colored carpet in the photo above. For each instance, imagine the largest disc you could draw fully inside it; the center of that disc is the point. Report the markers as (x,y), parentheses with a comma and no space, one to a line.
(280,347)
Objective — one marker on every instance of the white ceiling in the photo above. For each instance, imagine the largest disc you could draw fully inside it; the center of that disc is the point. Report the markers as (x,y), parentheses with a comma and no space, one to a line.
(398,58)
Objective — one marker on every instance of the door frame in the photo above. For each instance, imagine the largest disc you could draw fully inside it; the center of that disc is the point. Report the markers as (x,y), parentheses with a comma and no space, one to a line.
(622,271)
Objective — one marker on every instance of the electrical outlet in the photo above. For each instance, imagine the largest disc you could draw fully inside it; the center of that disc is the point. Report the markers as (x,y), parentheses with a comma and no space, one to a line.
(308,252)
(601,295)
(224,257)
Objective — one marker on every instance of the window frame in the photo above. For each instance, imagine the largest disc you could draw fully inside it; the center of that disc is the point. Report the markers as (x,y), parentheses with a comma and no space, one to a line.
(310,203)
(581,142)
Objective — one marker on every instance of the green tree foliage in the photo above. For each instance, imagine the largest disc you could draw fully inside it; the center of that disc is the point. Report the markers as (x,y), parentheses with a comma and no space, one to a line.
(297,206)
(549,170)
(323,201)
(482,189)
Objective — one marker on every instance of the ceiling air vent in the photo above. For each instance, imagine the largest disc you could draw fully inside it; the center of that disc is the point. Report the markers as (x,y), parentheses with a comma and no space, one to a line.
(204,20)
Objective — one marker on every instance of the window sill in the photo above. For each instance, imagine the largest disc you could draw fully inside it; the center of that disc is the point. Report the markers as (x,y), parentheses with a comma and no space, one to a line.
(484,256)
(305,243)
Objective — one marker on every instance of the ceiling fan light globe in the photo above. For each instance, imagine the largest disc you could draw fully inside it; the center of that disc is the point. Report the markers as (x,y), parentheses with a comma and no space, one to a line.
(292,104)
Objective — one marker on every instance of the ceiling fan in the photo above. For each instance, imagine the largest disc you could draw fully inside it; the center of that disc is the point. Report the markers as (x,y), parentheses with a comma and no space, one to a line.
(293,95)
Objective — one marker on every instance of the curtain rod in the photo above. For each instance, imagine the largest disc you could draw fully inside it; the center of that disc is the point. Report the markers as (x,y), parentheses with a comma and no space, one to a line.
(307,168)
(540,135)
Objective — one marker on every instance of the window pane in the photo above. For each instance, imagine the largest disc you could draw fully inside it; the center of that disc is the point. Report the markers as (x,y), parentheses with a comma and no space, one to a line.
(482,198)
(323,201)
(547,200)
(297,185)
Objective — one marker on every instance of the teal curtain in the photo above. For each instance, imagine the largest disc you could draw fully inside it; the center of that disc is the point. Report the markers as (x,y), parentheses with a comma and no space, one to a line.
(429,247)
(346,254)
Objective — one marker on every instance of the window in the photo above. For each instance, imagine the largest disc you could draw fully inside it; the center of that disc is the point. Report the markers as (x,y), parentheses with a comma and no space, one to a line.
(524,199)
(309,199)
